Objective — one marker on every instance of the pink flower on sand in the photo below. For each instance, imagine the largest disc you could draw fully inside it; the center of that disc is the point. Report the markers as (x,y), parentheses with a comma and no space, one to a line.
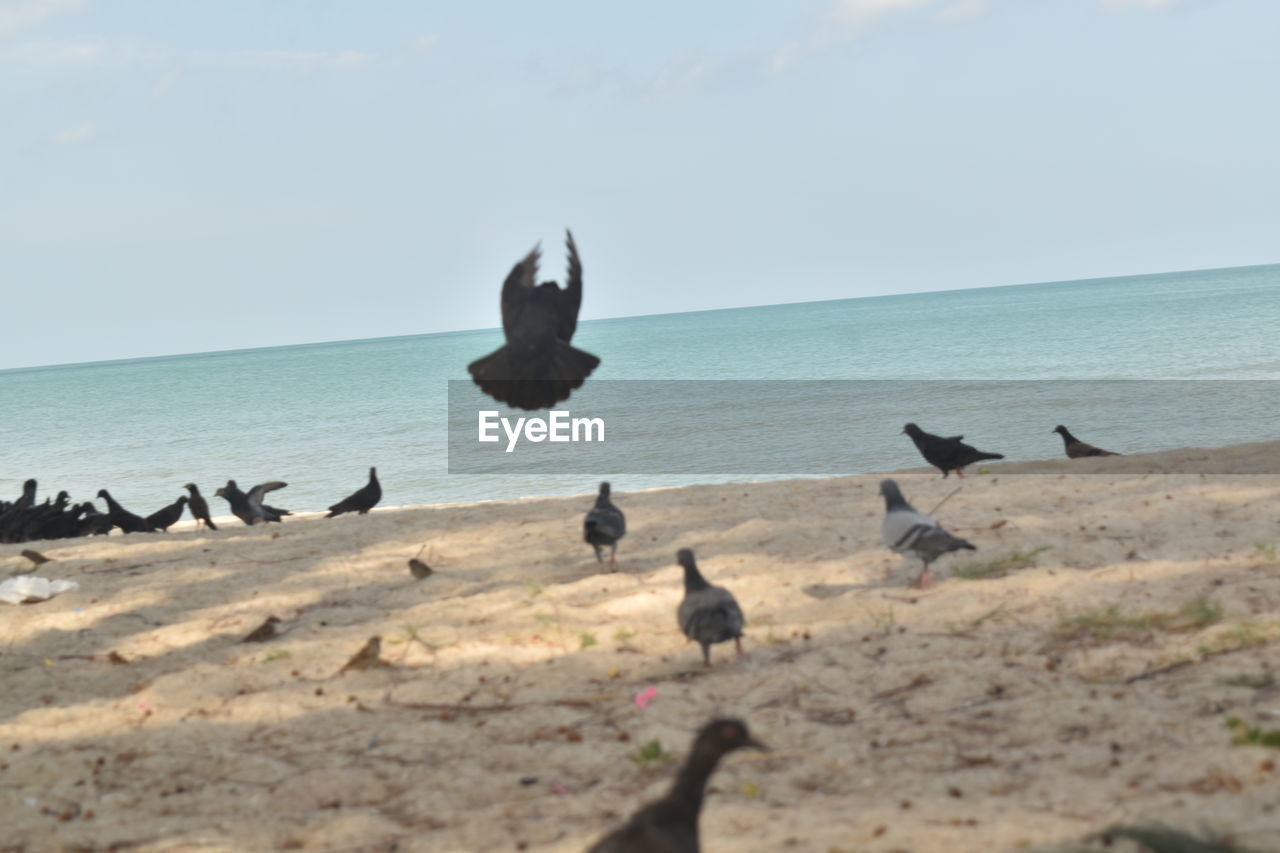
(644,697)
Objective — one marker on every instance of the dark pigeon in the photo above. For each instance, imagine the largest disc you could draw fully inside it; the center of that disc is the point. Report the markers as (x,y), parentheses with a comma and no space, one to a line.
(604,526)
(670,825)
(946,454)
(1077,449)
(249,508)
(362,499)
(199,507)
(536,368)
(908,531)
(163,519)
(121,517)
(707,614)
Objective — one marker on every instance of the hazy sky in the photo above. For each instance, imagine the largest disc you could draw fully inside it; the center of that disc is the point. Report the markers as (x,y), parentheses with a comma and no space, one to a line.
(182,176)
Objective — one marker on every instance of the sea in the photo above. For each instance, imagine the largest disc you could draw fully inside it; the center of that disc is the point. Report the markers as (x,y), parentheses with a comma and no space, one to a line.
(317,416)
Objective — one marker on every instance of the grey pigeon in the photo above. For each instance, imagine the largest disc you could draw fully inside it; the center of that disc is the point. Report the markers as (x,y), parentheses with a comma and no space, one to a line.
(604,526)
(707,614)
(908,531)
(670,825)
(1077,449)
(249,508)
(536,368)
(946,454)
(362,499)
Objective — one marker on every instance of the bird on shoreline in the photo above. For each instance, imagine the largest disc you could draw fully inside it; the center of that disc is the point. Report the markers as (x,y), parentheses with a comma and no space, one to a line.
(604,526)
(362,499)
(164,518)
(121,517)
(536,367)
(1077,449)
(707,614)
(908,531)
(199,507)
(249,508)
(946,454)
(670,825)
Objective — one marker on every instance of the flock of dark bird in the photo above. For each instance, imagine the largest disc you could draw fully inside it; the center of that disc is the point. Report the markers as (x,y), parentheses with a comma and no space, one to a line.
(535,369)
(24,520)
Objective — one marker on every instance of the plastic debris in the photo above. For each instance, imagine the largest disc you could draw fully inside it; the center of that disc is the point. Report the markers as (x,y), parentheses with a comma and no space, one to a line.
(27,588)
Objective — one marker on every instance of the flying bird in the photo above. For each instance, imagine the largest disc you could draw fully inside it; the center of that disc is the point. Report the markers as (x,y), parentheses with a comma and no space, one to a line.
(670,825)
(708,614)
(362,499)
(122,518)
(1077,449)
(604,526)
(946,454)
(199,507)
(536,368)
(909,531)
(166,517)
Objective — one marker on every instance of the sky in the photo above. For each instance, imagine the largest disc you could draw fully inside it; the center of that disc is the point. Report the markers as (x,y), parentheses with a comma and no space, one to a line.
(181,176)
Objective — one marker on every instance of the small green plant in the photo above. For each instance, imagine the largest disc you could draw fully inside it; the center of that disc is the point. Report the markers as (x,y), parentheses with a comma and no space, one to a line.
(1000,567)
(651,755)
(411,635)
(1244,734)
(622,635)
(1264,681)
(1267,549)
(276,654)
(586,640)
(546,619)
(1103,625)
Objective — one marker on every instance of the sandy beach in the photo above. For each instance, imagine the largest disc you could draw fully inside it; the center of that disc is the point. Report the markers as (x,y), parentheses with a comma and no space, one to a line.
(1080,673)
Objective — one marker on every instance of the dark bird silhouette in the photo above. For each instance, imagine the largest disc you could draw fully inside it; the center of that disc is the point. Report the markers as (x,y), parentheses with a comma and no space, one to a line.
(362,499)
(536,368)
(163,519)
(604,526)
(266,631)
(93,522)
(908,531)
(1077,449)
(946,454)
(419,569)
(249,508)
(35,557)
(121,517)
(670,825)
(707,614)
(199,507)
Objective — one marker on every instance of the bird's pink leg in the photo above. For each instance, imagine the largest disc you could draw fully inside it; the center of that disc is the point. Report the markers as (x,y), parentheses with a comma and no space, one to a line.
(924,581)
(613,557)
(737,642)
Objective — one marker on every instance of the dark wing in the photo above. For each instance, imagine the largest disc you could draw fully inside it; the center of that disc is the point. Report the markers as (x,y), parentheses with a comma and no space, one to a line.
(258,492)
(571,296)
(517,287)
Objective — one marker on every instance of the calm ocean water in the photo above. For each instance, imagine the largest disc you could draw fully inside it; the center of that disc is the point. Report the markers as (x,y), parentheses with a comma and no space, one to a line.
(318,415)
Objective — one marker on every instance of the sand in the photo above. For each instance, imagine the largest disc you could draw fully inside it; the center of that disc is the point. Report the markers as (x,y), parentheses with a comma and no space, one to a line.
(1086,683)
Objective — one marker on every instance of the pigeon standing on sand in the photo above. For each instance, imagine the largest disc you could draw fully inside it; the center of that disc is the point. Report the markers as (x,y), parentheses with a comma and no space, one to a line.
(604,526)
(1077,449)
(249,508)
(946,454)
(670,825)
(121,517)
(536,368)
(163,519)
(362,499)
(199,507)
(908,531)
(708,614)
